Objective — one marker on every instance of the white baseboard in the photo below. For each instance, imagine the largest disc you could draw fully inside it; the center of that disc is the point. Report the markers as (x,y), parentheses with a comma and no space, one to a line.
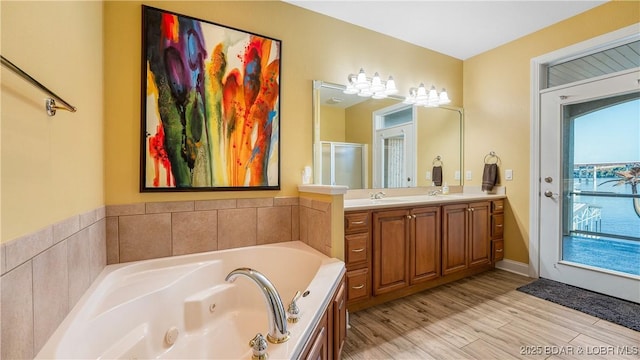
(515,267)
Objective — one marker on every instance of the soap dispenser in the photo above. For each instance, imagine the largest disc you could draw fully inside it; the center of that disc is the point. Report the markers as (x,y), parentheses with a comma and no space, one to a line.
(445,189)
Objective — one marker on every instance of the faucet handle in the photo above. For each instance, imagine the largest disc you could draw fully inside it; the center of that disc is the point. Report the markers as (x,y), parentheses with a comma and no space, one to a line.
(259,347)
(293,309)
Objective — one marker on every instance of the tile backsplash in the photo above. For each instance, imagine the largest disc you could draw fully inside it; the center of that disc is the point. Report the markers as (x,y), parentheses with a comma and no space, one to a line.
(45,273)
(153,230)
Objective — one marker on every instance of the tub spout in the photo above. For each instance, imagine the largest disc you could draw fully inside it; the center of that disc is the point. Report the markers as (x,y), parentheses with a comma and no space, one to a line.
(277,317)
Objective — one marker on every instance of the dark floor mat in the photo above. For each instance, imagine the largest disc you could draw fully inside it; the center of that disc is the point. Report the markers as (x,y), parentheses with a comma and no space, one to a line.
(621,312)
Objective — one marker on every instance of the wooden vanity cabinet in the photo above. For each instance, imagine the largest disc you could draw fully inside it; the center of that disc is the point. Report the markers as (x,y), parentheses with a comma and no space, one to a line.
(497,230)
(465,236)
(357,240)
(411,249)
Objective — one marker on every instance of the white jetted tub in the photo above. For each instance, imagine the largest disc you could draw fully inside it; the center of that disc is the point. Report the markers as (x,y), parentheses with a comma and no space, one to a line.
(182,308)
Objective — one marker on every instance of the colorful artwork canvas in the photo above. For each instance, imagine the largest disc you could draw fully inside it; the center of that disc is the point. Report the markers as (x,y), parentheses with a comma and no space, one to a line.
(210,106)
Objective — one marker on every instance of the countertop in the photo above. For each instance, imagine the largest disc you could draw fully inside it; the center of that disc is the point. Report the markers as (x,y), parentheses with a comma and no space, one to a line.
(413,200)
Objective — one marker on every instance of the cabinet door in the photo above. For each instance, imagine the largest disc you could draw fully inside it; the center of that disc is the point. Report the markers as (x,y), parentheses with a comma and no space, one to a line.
(479,239)
(317,346)
(390,251)
(425,244)
(454,238)
(339,325)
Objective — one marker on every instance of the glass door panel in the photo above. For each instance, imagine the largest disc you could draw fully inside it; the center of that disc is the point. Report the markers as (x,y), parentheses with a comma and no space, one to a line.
(601,153)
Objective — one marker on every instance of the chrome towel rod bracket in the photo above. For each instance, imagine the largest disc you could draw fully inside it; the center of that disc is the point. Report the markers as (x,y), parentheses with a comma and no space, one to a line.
(49,103)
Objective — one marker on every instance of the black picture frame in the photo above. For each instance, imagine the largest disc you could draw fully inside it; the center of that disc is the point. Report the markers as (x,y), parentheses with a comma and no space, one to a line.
(210,106)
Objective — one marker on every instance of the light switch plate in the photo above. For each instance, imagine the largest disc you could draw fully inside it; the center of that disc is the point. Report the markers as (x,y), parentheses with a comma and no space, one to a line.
(467,175)
(428,175)
(456,175)
(508,174)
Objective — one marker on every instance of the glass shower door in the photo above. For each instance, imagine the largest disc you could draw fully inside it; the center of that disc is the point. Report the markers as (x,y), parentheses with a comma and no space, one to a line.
(344,164)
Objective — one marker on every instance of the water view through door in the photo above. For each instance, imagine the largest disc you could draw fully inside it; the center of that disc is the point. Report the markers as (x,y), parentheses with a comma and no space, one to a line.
(589,201)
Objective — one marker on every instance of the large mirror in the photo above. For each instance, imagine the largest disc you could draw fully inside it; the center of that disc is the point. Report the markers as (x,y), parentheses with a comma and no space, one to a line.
(365,143)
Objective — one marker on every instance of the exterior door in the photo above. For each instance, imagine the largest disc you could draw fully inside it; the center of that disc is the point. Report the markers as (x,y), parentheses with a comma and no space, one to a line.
(558,195)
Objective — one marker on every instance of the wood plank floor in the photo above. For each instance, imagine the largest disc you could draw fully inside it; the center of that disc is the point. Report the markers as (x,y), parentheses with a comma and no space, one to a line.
(484,317)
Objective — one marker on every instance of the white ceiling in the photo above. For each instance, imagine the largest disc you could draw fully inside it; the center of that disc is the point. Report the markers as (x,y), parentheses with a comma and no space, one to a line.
(461,29)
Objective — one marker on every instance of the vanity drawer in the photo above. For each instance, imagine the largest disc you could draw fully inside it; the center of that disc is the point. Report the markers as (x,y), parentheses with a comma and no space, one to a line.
(497,206)
(356,222)
(497,225)
(358,285)
(357,250)
(497,249)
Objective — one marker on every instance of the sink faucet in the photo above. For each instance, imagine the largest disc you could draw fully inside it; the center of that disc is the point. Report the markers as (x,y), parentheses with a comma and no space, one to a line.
(277,317)
(377,196)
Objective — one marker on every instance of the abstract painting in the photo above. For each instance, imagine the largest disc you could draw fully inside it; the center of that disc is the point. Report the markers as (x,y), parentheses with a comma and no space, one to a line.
(210,106)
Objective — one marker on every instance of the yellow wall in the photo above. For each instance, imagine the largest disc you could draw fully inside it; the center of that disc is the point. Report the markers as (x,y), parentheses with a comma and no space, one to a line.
(497,106)
(313,47)
(438,135)
(333,124)
(52,167)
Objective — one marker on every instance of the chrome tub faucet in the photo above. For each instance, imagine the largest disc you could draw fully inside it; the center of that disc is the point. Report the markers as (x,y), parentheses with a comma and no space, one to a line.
(275,310)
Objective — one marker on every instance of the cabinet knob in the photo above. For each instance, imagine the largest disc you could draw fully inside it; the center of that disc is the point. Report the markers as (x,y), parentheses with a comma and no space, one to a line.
(408,216)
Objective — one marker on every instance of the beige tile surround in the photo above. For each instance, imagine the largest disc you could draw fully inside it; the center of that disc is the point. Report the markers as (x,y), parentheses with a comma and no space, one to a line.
(45,273)
(152,230)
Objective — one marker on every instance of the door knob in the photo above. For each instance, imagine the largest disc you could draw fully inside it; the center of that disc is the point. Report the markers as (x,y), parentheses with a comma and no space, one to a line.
(549,194)
(548,179)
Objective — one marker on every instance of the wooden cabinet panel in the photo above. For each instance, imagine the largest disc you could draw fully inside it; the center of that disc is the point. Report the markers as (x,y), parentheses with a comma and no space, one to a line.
(425,244)
(479,239)
(358,287)
(357,250)
(497,249)
(497,225)
(497,206)
(390,249)
(454,234)
(356,222)
(317,347)
(339,318)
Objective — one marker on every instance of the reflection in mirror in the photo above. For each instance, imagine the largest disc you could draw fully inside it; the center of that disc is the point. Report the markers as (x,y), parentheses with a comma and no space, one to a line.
(380,143)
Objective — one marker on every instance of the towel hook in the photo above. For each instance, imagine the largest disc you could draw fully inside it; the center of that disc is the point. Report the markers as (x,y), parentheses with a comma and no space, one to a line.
(437,161)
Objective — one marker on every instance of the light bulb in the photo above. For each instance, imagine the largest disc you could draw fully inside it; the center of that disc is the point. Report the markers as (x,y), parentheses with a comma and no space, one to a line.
(390,87)
(444,97)
(376,83)
(361,82)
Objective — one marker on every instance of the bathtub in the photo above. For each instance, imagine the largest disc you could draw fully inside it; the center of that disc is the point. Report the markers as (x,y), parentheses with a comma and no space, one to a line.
(182,308)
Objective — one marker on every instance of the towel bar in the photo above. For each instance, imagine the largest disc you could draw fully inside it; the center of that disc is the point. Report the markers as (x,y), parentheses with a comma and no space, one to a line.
(50,103)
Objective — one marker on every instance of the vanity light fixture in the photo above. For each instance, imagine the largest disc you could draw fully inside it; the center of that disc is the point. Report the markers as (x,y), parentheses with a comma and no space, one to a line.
(431,98)
(374,87)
